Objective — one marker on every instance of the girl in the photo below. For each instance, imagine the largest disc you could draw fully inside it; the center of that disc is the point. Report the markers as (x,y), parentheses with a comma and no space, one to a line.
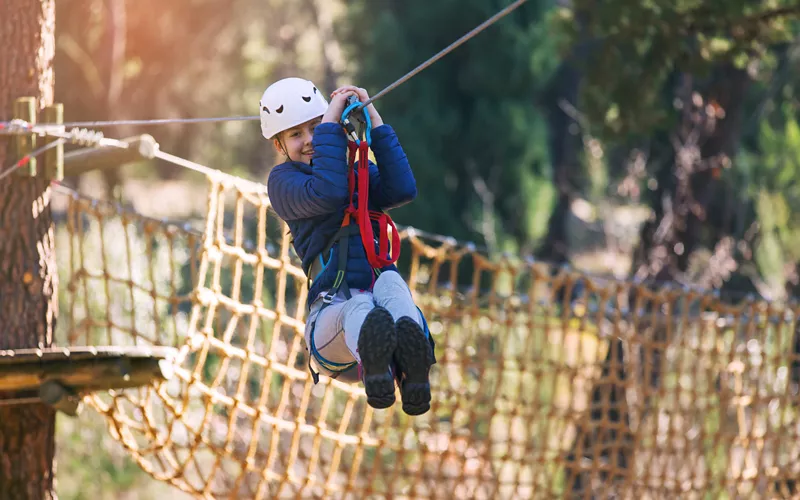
(358,316)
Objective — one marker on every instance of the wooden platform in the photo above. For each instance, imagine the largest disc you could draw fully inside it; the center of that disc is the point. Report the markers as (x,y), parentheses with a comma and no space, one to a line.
(58,375)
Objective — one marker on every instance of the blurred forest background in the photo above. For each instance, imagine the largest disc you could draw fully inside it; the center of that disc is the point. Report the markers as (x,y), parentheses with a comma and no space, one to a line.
(651,139)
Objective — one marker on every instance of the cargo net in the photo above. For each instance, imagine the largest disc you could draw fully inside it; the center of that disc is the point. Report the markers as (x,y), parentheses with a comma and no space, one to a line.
(549,383)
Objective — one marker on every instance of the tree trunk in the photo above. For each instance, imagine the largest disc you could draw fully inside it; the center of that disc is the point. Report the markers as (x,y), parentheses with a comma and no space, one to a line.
(28,277)
(685,220)
(565,146)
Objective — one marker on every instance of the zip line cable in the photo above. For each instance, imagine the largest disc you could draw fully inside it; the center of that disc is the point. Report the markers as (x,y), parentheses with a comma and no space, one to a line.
(5,129)
(445,51)
(165,121)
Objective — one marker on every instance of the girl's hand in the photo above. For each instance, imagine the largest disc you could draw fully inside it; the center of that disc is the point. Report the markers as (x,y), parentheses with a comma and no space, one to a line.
(336,107)
(363,96)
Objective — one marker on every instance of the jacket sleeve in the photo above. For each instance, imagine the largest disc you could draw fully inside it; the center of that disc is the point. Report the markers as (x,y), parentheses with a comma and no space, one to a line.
(391,182)
(295,194)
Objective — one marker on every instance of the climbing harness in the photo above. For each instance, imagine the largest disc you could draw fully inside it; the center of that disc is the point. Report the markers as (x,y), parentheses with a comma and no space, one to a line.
(363,215)
(357,220)
(360,218)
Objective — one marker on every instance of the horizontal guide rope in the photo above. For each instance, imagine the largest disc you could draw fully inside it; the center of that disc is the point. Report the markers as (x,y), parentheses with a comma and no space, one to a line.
(10,128)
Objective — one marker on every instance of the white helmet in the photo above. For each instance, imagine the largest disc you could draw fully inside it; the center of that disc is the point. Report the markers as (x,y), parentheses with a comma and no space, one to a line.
(288,103)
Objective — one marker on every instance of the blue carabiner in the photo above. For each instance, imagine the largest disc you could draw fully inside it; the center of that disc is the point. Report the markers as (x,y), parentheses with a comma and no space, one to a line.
(355,103)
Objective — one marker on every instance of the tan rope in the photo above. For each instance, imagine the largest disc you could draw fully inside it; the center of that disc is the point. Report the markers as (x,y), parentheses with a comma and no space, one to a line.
(535,395)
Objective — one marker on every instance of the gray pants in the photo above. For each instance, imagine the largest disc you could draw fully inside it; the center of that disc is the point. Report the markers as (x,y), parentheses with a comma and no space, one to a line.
(338,325)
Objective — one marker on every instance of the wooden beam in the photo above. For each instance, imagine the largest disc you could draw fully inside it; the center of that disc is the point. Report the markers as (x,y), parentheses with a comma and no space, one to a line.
(81,370)
(81,161)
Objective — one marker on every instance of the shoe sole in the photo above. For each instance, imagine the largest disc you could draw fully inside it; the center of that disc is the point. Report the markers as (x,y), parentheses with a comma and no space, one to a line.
(376,344)
(414,359)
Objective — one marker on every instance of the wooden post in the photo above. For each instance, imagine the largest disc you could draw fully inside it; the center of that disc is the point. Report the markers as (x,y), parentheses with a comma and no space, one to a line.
(54,157)
(25,109)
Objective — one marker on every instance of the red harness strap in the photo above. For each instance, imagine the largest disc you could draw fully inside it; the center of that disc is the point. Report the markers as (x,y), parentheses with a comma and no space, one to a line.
(364,216)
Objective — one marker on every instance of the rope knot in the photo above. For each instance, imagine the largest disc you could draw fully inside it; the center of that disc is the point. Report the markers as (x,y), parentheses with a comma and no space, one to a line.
(85,137)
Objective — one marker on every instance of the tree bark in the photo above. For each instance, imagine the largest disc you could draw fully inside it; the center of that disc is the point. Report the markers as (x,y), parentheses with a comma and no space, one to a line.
(28,277)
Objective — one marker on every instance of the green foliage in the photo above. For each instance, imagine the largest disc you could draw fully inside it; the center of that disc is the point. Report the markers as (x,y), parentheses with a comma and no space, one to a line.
(774,173)
(469,123)
(780,159)
(92,465)
(636,46)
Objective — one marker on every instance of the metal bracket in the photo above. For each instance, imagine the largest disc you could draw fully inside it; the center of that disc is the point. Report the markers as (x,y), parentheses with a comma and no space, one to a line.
(61,398)
(54,157)
(23,144)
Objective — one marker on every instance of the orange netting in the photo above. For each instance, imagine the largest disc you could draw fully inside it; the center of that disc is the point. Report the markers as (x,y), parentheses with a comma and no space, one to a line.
(549,383)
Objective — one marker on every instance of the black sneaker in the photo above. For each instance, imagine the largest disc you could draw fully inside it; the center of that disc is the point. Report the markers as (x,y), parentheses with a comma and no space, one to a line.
(413,357)
(376,344)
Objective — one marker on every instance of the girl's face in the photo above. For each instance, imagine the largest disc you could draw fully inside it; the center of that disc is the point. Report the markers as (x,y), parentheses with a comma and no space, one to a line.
(296,142)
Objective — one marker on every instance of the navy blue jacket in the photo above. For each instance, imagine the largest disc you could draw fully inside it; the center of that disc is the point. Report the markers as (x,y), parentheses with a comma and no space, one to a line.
(312,200)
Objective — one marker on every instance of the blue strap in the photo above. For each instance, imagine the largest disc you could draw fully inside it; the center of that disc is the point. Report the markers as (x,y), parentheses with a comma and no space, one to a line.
(355,103)
(325,363)
(324,264)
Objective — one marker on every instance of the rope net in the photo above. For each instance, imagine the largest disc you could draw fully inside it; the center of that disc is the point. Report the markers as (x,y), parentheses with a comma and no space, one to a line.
(549,383)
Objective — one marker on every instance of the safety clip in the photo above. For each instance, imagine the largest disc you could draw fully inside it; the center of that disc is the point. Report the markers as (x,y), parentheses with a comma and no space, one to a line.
(363,119)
